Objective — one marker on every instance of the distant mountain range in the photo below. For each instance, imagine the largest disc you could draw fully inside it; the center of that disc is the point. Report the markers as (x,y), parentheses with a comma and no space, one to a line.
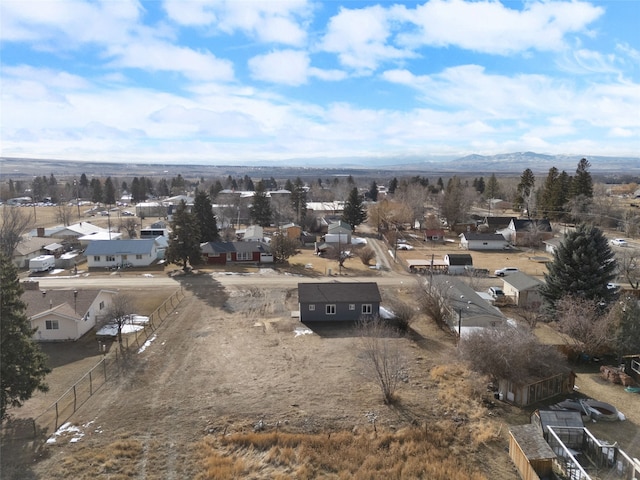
(501,164)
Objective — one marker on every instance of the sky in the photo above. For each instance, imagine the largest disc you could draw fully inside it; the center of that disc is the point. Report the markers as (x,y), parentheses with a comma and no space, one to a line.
(308,82)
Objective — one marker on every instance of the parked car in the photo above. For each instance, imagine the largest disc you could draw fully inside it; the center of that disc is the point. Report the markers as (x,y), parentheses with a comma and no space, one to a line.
(619,242)
(496,293)
(505,271)
(127,213)
(404,246)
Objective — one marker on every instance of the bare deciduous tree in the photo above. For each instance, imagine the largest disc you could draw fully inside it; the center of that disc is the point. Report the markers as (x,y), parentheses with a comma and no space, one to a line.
(130,226)
(384,361)
(532,314)
(629,265)
(584,325)
(119,313)
(365,254)
(403,314)
(15,222)
(64,213)
(435,303)
(510,353)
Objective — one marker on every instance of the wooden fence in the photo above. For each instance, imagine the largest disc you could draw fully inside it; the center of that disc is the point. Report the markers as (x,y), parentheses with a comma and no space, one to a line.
(109,367)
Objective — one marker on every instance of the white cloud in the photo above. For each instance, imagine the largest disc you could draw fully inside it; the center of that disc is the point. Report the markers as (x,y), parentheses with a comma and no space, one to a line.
(491,27)
(288,67)
(161,56)
(360,39)
(278,22)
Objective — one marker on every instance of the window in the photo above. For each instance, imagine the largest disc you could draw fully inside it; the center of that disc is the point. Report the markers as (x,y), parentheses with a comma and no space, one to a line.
(312,308)
(352,306)
(366,309)
(330,310)
(96,258)
(243,256)
(101,305)
(124,257)
(51,325)
(111,258)
(138,257)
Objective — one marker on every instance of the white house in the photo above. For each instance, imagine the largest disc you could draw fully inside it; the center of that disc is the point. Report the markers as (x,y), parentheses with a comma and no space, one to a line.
(482,241)
(523,289)
(115,253)
(65,315)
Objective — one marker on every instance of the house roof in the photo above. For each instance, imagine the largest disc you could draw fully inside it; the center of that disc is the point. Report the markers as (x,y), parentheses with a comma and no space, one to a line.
(31,244)
(497,222)
(559,418)
(532,444)
(338,292)
(92,237)
(539,224)
(64,302)
(459,259)
(495,237)
(119,247)
(465,301)
(227,247)
(339,227)
(53,247)
(521,281)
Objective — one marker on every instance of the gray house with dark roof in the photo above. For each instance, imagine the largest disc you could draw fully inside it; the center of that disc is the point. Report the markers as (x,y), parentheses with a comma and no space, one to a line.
(338,301)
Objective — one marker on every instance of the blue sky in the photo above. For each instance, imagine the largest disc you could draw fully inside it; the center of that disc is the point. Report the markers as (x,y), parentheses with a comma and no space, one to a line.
(288,82)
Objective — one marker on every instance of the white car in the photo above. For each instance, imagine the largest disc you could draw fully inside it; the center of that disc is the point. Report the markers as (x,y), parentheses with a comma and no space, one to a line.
(404,246)
(619,242)
(505,271)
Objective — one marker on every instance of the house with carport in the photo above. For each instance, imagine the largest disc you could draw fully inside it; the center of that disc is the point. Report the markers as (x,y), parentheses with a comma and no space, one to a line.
(522,289)
(65,315)
(338,301)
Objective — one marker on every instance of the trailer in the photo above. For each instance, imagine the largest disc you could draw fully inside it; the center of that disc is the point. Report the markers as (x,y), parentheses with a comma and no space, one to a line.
(42,263)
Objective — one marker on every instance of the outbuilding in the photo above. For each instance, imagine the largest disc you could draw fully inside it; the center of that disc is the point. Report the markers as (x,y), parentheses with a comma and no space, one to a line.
(457,263)
(522,289)
(482,241)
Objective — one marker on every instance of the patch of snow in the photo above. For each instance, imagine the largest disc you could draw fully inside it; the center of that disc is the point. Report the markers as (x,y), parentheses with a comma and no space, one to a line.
(111,330)
(386,313)
(358,241)
(56,271)
(66,428)
(147,343)
(147,275)
(302,331)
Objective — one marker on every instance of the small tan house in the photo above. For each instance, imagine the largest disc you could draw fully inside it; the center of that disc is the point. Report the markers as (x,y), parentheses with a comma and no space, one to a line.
(64,315)
(522,289)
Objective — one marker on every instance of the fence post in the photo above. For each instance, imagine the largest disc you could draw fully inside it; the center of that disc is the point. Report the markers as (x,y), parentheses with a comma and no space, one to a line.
(55,429)
(90,384)
(75,397)
(104,366)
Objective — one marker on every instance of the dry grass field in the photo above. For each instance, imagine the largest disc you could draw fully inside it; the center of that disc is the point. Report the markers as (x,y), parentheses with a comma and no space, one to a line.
(234,387)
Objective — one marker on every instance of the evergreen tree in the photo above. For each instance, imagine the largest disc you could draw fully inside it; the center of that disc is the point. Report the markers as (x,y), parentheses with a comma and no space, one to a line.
(626,315)
(163,188)
(393,185)
(288,185)
(136,197)
(582,183)
(206,220)
(109,192)
(178,185)
(260,210)
(354,213)
(492,188)
(215,189)
(96,190)
(249,185)
(299,200)
(373,192)
(440,184)
(525,191)
(583,265)
(184,244)
(23,366)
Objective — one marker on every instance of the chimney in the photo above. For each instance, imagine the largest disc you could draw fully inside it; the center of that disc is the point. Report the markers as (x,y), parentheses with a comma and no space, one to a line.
(40,231)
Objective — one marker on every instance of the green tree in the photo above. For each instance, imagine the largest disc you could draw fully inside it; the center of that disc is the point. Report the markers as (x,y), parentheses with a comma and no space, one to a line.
(492,188)
(96,190)
(582,183)
(625,315)
(184,244)
(354,213)
(109,192)
(393,185)
(298,199)
(553,196)
(260,210)
(215,189)
(372,194)
(203,211)
(525,190)
(583,265)
(23,366)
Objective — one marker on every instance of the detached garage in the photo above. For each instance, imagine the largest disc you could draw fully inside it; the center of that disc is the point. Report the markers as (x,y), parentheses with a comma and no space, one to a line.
(482,241)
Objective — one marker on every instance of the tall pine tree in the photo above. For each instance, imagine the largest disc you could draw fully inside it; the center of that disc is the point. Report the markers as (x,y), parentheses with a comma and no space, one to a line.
(23,366)
(583,265)
(206,220)
(184,239)
(354,213)
(260,210)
